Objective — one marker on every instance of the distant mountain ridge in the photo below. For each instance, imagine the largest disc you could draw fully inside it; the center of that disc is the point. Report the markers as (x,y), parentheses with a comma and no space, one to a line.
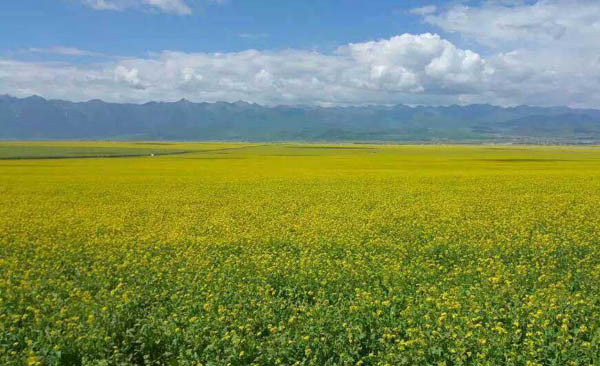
(38,118)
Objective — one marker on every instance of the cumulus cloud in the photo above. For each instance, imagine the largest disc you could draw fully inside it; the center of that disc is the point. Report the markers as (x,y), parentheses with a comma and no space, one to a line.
(500,24)
(409,68)
(166,6)
(418,63)
(547,49)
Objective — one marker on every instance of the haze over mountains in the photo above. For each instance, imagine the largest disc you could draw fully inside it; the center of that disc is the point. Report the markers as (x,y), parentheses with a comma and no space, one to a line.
(37,118)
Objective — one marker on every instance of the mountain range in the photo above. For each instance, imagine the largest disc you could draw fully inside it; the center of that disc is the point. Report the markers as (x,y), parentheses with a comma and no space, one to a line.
(41,119)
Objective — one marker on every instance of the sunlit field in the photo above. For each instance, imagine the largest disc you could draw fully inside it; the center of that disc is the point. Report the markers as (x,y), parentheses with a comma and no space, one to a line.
(281,254)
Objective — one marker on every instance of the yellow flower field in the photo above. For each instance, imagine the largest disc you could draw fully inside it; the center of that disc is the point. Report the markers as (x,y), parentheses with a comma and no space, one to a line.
(281,254)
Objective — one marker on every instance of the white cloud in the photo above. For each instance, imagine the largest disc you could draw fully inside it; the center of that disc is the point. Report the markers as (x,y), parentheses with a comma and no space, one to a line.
(65,51)
(411,69)
(254,35)
(547,49)
(407,68)
(424,10)
(499,24)
(171,6)
(128,76)
(417,64)
(166,6)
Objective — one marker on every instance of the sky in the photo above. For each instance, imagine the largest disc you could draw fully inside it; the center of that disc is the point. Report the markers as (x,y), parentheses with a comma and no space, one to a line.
(314,52)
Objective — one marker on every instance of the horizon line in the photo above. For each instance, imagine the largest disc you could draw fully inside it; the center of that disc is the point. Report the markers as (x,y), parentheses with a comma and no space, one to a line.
(369,105)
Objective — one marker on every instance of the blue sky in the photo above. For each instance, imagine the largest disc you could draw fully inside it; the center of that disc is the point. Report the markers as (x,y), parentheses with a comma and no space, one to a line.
(506,52)
(211,27)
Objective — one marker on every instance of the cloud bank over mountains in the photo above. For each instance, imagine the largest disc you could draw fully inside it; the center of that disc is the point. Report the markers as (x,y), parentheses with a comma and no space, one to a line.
(541,53)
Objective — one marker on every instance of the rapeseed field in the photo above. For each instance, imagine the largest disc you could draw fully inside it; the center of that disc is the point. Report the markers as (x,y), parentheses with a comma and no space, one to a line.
(281,254)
